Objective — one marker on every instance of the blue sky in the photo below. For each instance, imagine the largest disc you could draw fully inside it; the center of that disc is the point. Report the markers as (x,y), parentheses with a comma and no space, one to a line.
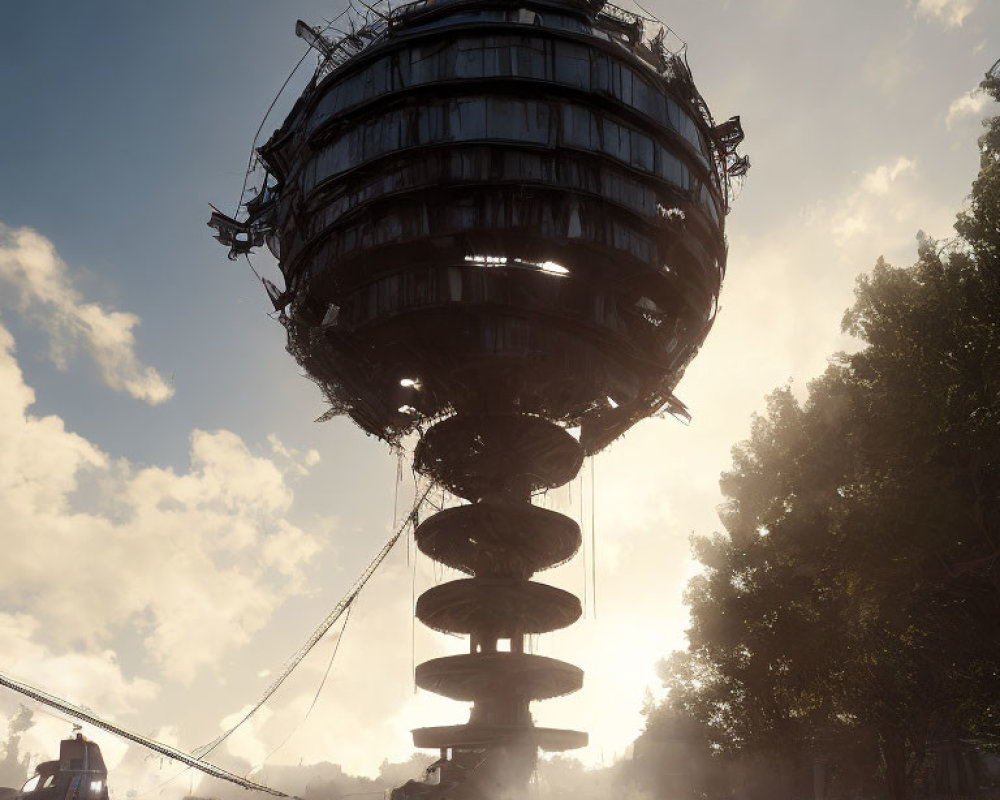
(214,536)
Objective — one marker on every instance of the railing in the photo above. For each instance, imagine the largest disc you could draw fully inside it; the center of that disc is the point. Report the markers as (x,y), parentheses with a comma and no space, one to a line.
(628,27)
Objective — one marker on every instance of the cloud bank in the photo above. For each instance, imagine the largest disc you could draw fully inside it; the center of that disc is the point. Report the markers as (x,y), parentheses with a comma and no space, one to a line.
(971,104)
(869,205)
(951,13)
(40,285)
(193,561)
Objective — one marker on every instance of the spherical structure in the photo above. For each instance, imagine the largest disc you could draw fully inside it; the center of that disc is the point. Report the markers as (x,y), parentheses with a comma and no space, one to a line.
(496,207)
(501,220)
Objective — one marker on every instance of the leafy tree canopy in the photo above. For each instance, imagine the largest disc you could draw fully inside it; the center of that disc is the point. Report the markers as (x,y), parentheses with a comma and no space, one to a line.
(854,600)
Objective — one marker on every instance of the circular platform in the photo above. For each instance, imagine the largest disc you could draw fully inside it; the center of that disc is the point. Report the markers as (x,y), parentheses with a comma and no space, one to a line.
(549,739)
(499,539)
(497,607)
(472,676)
(481,455)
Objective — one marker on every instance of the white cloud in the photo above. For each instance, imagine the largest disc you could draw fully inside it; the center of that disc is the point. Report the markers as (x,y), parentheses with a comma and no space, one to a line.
(879,180)
(168,735)
(295,459)
(196,561)
(246,742)
(183,565)
(970,104)
(41,284)
(866,209)
(368,704)
(950,12)
(93,679)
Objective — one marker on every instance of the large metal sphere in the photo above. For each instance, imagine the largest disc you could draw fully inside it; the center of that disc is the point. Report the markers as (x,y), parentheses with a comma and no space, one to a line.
(497,207)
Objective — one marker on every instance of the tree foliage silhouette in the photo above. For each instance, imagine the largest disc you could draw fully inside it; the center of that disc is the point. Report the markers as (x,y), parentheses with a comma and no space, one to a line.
(854,599)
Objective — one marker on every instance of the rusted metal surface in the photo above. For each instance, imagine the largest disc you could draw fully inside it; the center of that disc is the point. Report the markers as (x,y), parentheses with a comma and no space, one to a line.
(492,539)
(552,740)
(506,608)
(485,677)
(475,456)
(467,181)
(501,539)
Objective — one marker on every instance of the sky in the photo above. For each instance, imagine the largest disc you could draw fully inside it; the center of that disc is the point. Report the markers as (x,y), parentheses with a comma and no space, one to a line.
(173,522)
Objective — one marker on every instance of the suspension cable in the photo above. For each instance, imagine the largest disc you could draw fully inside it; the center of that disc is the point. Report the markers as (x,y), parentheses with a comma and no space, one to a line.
(197,761)
(323,627)
(157,747)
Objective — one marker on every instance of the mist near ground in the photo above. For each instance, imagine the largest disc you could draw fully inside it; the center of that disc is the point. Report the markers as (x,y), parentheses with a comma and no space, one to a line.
(557,778)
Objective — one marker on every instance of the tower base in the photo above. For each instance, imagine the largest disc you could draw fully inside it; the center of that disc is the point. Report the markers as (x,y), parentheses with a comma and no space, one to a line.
(497,773)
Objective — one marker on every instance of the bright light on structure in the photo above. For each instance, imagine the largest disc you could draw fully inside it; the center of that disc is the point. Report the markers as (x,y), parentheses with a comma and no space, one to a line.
(669,213)
(409,383)
(96,786)
(488,261)
(551,267)
(407,410)
(611,402)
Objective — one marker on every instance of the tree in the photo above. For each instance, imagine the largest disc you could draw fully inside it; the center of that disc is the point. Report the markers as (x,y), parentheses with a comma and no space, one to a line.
(854,600)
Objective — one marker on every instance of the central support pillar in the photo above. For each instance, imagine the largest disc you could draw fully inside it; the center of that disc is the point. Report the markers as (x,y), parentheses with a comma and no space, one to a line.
(496,462)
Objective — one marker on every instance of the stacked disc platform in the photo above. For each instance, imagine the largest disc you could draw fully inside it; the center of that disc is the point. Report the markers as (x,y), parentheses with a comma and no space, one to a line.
(499,539)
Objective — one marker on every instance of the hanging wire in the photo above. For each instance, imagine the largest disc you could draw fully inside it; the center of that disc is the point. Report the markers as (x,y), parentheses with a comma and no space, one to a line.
(395,495)
(651,17)
(157,747)
(263,122)
(583,549)
(593,543)
(270,108)
(296,729)
(413,615)
(323,627)
(344,605)
(319,689)
(252,158)
(160,786)
(253,269)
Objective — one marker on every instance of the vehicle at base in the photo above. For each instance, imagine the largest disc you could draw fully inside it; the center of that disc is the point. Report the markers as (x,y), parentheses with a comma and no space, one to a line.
(79,774)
